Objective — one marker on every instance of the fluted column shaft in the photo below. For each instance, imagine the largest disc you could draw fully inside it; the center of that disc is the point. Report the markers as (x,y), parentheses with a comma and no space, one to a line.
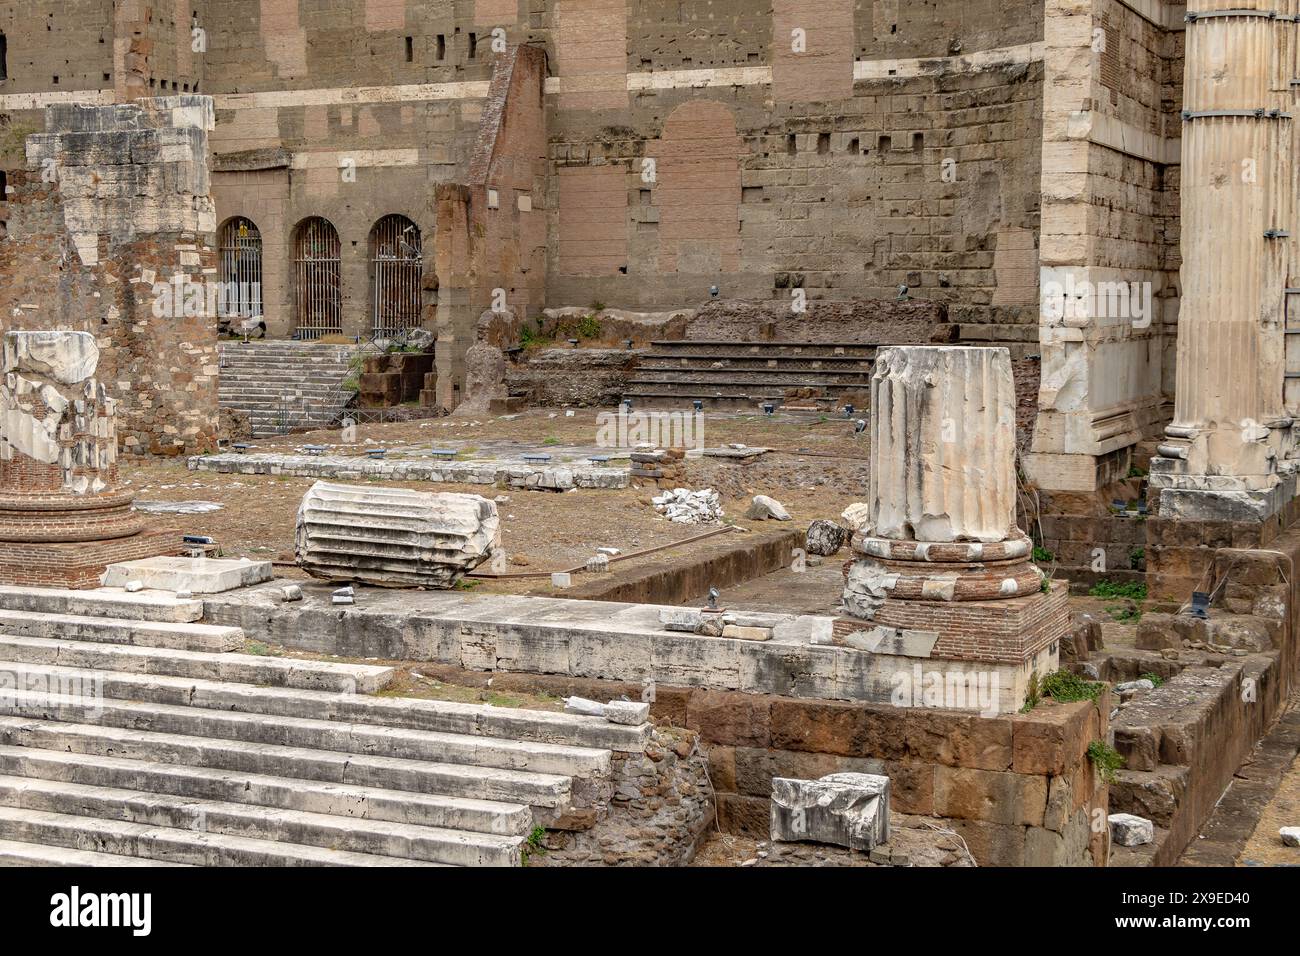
(942,445)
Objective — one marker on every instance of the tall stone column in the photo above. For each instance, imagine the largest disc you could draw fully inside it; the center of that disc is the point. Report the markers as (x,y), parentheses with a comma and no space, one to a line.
(942,577)
(1225,453)
(64,515)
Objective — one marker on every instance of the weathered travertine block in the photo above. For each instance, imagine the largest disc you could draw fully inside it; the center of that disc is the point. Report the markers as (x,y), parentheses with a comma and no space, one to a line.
(942,444)
(392,537)
(844,809)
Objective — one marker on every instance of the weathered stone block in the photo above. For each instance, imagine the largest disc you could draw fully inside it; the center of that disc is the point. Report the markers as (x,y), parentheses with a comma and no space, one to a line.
(843,809)
(1129,830)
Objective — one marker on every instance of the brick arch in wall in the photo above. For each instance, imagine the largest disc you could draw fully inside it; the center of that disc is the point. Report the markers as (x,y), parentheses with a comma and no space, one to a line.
(697,189)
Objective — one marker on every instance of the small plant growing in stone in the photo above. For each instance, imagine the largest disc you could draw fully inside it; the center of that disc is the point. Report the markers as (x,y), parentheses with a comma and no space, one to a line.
(533,844)
(588,327)
(1067,687)
(1106,759)
(550,440)
(1043,556)
(1133,590)
(1153,678)
(1136,557)
(1033,694)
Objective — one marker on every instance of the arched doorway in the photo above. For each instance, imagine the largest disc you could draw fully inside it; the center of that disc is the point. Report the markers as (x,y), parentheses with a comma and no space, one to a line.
(317,283)
(240,245)
(396,264)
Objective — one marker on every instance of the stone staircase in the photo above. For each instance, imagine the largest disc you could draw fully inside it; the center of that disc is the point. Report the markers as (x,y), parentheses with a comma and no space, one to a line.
(746,374)
(283,385)
(131,733)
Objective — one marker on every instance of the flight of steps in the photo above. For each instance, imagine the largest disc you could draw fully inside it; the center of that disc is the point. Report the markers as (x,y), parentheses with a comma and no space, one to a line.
(283,385)
(130,733)
(747,374)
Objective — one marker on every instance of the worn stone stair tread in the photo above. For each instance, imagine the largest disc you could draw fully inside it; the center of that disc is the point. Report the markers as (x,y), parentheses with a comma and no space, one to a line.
(184,636)
(287,793)
(155,606)
(410,713)
(549,791)
(15,853)
(176,845)
(141,712)
(294,827)
(327,676)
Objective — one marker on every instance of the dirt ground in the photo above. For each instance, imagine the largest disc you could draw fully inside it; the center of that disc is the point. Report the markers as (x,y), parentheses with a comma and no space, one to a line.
(816,469)
(1264,848)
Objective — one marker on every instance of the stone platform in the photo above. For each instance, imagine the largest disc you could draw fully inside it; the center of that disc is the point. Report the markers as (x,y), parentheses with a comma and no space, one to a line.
(196,575)
(521,475)
(597,640)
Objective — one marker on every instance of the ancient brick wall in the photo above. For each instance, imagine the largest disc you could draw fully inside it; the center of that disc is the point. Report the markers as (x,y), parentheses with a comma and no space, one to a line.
(842,148)
(114,202)
(491,247)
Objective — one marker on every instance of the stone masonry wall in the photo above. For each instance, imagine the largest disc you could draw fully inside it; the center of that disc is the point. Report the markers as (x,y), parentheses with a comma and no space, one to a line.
(1019,790)
(114,201)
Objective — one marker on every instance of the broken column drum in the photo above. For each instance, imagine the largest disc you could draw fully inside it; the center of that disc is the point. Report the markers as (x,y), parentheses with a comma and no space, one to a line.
(942,578)
(391,537)
(940,518)
(64,516)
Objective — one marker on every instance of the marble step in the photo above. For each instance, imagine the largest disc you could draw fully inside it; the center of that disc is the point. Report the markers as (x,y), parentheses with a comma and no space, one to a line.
(36,854)
(76,627)
(142,711)
(115,603)
(548,791)
(292,827)
(410,713)
(203,665)
(171,845)
(309,796)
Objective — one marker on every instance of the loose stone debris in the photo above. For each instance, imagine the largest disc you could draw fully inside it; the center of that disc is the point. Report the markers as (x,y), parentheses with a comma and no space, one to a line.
(1129,830)
(825,538)
(764,507)
(689,507)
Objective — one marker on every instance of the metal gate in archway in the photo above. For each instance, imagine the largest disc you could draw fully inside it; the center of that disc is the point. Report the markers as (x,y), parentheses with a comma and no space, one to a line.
(396,264)
(317,284)
(240,245)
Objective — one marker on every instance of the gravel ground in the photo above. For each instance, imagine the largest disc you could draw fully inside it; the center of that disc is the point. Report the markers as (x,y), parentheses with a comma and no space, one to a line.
(541,531)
